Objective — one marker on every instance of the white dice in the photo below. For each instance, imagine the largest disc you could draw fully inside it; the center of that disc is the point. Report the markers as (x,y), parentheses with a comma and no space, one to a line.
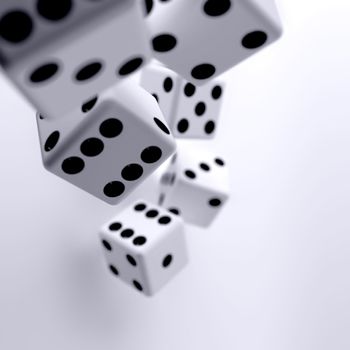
(192,111)
(145,246)
(111,149)
(62,53)
(200,39)
(195,186)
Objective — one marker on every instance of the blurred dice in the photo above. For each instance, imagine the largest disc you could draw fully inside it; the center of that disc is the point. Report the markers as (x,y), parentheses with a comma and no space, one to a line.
(116,141)
(202,39)
(62,53)
(145,246)
(195,186)
(192,112)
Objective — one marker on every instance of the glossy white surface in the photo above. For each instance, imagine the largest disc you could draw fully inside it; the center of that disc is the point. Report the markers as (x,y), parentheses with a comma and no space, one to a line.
(273,271)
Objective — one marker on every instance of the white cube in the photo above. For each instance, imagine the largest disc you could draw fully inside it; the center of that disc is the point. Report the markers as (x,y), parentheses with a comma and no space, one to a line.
(113,147)
(195,186)
(145,246)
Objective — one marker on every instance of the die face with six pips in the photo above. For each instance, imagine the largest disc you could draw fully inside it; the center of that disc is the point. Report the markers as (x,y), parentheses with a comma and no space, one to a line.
(111,149)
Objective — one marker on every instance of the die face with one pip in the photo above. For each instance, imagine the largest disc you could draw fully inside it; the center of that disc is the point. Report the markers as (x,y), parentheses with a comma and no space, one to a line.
(62,53)
(110,150)
(191,111)
(201,39)
(145,246)
(195,186)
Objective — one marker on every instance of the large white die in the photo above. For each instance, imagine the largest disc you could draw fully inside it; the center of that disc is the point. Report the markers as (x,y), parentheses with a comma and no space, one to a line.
(62,53)
(195,186)
(192,111)
(201,39)
(145,246)
(112,148)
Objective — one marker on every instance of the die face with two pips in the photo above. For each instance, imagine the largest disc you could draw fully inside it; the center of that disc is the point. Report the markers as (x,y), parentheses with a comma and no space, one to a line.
(144,246)
(113,148)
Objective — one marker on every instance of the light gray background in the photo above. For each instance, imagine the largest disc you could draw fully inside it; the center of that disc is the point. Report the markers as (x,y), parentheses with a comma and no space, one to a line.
(271,274)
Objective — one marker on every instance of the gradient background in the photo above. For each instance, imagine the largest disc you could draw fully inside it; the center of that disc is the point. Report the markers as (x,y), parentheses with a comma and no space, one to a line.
(272,273)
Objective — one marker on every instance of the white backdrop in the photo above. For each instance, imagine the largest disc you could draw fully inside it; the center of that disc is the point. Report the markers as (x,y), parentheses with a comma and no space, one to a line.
(272,273)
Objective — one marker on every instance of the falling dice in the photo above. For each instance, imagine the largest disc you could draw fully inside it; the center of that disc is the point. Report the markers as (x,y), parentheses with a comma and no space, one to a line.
(191,111)
(145,246)
(62,53)
(201,39)
(112,147)
(195,186)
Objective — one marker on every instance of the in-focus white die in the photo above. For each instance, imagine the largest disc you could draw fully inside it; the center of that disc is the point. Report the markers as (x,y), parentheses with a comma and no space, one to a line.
(62,53)
(201,39)
(191,111)
(195,186)
(145,246)
(111,149)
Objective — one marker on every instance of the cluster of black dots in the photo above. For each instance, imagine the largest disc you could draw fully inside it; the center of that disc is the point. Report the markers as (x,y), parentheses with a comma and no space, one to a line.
(166,42)
(199,110)
(17,26)
(153,214)
(92,147)
(127,233)
(168,179)
(192,175)
(128,257)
